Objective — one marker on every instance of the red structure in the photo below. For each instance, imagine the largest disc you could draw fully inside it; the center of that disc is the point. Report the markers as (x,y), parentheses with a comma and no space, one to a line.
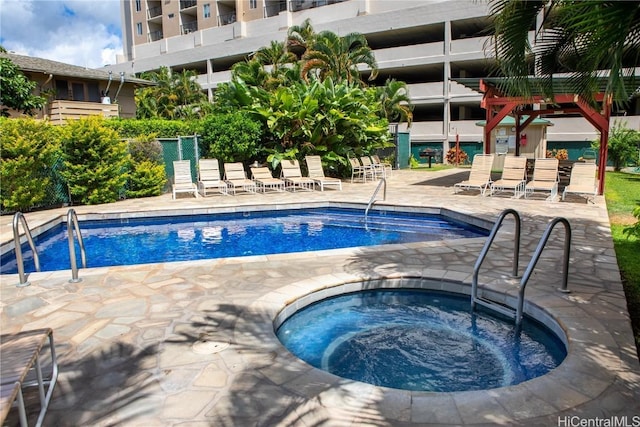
(498,106)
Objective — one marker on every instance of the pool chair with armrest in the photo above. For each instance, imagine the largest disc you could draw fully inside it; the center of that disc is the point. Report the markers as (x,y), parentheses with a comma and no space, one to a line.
(582,181)
(480,175)
(182,181)
(384,168)
(236,178)
(316,173)
(266,181)
(292,175)
(209,177)
(514,176)
(545,178)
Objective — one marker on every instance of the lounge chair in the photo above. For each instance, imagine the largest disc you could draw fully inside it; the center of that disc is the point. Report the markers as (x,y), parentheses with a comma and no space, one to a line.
(182,181)
(236,178)
(21,356)
(209,177)
(265,180)
(545,178)
(316,173)
(582,181)
(292,175)
(480,175)
(514,176)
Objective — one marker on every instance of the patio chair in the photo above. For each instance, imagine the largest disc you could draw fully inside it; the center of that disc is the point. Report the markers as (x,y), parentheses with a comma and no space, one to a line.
(359,171)
(266,181)
(545,178)
(236,178)
(21,356)
(514,176)
(292,175)
(582,181)
(209,177)
(316,173)
(370,169)
(384,167)
(480,175)
(182,181)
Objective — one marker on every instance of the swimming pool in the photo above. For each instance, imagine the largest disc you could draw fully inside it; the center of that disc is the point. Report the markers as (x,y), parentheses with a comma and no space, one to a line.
(207,236)
(419,340)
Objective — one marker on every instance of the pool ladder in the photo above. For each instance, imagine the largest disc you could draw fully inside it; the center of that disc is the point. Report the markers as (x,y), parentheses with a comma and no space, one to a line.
(517,313)
(383,182)
(72,223)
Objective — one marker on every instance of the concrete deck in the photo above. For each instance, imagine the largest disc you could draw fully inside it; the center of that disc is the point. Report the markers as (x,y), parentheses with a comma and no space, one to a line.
(144,345)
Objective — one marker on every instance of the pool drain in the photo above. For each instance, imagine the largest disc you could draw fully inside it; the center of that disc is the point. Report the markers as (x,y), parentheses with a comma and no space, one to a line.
(209,347)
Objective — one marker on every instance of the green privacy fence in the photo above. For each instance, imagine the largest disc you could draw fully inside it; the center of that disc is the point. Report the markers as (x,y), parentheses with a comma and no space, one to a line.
(180,148)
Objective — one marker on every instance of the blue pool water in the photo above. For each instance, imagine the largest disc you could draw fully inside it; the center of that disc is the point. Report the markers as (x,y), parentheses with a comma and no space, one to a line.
(418,340)
(181,238)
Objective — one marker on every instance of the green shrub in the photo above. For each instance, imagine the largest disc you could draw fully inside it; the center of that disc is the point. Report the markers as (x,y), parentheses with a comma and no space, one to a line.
(231,137)
(28,149)
(95,161)
(146,179)
(634,230)
(147,175)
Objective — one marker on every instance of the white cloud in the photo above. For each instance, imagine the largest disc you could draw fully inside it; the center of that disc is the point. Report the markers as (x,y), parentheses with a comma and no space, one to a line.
(79,32)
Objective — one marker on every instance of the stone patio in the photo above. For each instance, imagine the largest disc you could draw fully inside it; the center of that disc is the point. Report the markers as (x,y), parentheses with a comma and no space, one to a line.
(145,345)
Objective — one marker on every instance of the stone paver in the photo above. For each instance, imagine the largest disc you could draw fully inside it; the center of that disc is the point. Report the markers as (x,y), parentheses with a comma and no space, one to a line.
(129,339)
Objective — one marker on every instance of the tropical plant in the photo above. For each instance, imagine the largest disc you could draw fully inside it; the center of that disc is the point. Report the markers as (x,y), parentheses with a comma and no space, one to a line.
(634,230)
(17,90)
(147,176)
(338,57)
(174,96)
(558,153)
(455,156)
(299,37)
(95,161)
(395,101)
(623,145)
(28,149)
(581,38)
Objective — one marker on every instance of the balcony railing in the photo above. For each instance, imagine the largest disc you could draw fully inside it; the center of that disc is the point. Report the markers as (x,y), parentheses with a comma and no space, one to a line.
(274,9)
(185,4)
(155,35)
(226,19)
(62,110)
(154,11)
(189,27)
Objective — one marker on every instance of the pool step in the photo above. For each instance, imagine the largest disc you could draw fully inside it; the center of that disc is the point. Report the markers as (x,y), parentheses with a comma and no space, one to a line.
(496,306)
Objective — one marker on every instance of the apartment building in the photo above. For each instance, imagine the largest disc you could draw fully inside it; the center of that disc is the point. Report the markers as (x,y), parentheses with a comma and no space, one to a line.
(427,44)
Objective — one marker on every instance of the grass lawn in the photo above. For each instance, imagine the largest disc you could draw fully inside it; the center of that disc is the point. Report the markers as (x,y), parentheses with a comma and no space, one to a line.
(622,193)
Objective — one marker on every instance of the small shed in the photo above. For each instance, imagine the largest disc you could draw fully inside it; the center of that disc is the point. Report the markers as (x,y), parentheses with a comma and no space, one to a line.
(532,143)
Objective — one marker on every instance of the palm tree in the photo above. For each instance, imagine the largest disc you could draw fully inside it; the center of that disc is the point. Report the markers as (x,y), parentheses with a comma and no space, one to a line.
(299,37)
(587,39)
(338,57)
(175,95)
(395,101)
(275,55)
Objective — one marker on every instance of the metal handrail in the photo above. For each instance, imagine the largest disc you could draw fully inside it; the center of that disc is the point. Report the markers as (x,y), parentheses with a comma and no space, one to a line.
(18,219)
(72,222)
(536,257)
(375,193)
(487,245)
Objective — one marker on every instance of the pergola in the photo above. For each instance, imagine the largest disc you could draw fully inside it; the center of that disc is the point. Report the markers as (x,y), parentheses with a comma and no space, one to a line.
(498,106)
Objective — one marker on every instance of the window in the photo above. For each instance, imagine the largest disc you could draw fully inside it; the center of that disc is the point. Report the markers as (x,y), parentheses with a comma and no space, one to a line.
(138,5)
(253,4)
(206,10)
(77,91)
(171,15)
(139,28)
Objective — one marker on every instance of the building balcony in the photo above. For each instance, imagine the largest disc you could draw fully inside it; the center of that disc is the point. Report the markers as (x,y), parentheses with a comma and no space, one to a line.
(189,27)
(62,110)
(185,4)
(152,12)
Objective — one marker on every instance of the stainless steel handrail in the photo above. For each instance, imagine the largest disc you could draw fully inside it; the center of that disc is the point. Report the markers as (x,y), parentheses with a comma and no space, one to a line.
(18,219)
(487,245)
(72,222)
(536,257)
(375,193)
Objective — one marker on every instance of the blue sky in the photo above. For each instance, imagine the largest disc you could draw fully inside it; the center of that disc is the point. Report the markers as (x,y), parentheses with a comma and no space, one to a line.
(86,33)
